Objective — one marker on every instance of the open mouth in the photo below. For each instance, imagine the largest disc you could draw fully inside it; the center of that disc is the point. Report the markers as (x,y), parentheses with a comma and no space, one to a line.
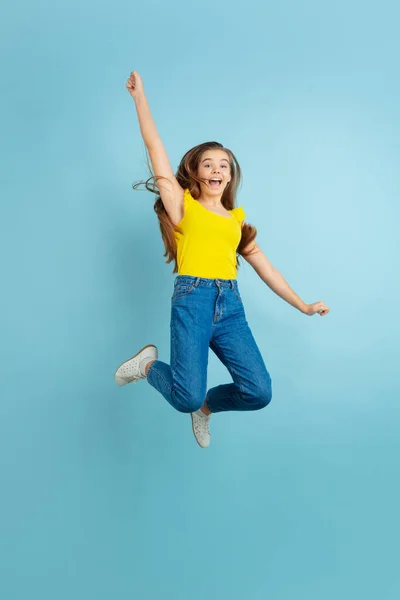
(215,182)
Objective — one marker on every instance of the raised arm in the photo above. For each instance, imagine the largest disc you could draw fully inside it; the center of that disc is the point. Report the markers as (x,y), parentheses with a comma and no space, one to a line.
(170,191)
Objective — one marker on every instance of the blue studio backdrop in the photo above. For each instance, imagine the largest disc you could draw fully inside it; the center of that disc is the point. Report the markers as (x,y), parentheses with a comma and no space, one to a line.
(104,493)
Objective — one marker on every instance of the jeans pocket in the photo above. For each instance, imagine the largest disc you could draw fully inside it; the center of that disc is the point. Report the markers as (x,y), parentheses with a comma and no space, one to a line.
(181,290)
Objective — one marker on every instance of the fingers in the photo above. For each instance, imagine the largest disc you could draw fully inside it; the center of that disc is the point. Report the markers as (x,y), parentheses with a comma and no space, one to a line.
(320,308)
(323,309)
(133,82)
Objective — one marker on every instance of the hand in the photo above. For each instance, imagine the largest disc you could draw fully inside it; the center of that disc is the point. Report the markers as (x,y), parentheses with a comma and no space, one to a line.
(134,84)
(318,307)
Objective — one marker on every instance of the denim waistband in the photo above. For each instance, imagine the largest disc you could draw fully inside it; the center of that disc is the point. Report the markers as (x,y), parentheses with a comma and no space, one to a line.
(205,281)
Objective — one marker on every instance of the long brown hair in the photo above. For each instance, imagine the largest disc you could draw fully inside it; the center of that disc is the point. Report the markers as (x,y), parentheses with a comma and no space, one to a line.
(187,178)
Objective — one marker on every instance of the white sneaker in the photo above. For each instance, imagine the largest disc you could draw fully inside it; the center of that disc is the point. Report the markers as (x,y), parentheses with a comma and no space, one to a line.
(133,369)
(201,428)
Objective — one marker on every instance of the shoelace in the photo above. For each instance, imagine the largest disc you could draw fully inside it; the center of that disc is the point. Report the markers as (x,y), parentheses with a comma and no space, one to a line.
(135,379)
(132,378)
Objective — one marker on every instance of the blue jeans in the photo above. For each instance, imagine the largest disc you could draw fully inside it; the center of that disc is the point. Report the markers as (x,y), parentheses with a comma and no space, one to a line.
(209,313)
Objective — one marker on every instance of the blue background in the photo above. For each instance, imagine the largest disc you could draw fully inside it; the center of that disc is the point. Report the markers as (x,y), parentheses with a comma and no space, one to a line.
(104,492)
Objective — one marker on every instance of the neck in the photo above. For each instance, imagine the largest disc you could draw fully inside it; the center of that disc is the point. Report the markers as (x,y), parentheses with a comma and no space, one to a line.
(211,199)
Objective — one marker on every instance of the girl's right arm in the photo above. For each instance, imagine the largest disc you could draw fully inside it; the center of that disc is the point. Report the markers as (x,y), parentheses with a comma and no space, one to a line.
(170,191)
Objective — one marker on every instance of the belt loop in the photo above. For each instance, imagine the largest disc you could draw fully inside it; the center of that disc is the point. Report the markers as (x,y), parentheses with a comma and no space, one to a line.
(197,280)
(232,284)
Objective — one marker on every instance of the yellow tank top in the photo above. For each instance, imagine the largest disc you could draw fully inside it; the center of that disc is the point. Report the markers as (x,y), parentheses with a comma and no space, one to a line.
(208,242)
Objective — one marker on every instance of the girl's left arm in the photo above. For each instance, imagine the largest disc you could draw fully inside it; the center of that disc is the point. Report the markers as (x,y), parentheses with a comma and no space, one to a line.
(274,279)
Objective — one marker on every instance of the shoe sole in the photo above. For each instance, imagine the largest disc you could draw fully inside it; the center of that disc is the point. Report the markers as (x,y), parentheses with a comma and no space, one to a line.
(124,363)
(191,416)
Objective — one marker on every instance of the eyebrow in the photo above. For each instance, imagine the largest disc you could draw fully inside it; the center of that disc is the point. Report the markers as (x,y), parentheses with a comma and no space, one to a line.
(204,159)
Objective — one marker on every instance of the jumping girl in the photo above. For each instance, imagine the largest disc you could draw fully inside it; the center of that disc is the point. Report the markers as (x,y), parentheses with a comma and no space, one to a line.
(203,232)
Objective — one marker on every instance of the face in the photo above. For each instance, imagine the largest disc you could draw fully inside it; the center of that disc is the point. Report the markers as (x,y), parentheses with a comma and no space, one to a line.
(214,165)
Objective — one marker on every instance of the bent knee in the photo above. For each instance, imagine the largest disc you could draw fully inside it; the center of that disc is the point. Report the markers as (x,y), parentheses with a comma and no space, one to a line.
(263,395)
(185,403)
(265,399)
(189,408)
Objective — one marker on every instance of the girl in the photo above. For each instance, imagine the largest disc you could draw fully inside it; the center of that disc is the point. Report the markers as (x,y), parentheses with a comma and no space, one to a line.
(203,232)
